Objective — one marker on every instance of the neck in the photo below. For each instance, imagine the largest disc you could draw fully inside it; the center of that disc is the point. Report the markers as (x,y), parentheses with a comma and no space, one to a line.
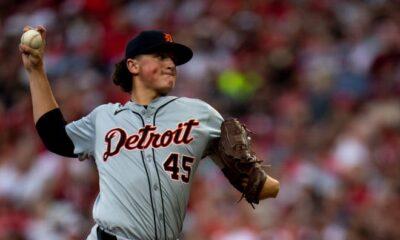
(143,95)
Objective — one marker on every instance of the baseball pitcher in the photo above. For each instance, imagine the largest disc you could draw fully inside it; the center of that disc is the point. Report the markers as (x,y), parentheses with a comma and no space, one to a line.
(147,149)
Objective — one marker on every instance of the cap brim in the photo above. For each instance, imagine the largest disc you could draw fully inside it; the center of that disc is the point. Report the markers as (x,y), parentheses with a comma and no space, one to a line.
(182,54)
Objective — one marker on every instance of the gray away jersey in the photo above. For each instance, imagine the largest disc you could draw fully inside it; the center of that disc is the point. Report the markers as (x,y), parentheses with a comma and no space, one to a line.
(146,159)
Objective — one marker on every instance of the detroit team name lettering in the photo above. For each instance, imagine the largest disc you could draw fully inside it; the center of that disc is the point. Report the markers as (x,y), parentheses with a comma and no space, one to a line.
(147,137)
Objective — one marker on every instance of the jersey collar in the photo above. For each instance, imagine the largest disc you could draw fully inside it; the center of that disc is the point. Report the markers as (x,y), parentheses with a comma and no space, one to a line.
(154,105)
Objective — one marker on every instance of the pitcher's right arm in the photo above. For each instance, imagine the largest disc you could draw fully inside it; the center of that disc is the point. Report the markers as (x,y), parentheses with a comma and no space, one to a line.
(48,118)
(42,97)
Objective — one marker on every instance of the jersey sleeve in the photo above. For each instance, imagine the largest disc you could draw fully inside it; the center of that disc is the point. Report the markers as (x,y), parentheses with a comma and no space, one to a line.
(213,126)
(214,123)
(82,134)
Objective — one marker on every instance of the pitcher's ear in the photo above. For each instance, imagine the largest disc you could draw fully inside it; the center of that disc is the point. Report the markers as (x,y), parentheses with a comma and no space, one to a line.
(132,65)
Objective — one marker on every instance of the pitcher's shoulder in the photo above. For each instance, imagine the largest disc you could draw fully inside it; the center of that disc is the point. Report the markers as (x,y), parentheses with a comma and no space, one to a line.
(107,108)
(194,102)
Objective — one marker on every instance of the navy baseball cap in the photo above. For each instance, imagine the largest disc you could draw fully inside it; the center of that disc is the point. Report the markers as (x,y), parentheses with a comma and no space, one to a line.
(148,42)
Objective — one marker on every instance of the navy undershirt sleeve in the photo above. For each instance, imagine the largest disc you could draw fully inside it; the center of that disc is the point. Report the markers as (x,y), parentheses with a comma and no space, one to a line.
(51,129)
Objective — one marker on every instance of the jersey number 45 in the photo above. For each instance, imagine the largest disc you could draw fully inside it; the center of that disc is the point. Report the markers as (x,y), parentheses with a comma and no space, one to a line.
(171,166)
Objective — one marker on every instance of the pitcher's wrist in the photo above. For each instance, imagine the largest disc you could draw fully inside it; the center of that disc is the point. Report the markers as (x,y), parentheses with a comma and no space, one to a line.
(36,71)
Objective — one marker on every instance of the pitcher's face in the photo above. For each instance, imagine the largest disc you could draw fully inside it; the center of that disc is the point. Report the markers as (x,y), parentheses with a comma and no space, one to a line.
(157,71)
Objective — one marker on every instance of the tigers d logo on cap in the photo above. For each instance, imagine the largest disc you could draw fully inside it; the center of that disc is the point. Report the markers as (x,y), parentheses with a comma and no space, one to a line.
(168,37)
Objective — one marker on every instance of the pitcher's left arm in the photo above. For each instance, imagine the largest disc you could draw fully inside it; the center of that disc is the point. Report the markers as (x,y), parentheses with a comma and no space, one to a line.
(233,154)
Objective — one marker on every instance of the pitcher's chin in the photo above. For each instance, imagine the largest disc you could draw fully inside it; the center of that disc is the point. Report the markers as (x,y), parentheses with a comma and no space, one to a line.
(165,90)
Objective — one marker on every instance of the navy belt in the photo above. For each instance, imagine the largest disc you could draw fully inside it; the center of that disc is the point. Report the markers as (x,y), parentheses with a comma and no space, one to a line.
(102,235)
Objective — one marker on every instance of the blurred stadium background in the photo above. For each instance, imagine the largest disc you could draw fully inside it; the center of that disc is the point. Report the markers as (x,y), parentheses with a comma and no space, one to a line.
(317,80)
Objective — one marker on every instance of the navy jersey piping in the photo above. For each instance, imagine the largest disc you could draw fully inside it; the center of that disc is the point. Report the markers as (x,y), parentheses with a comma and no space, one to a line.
(154,161)
(148,180)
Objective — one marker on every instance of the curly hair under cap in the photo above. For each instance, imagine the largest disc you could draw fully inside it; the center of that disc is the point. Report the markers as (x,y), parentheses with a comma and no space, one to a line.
(122,77)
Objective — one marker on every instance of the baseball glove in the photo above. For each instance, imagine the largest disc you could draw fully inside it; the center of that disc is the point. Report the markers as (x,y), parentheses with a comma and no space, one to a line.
(240,165)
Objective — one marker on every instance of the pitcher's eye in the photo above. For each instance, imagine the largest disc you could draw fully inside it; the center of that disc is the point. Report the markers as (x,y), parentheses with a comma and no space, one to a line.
(164,55)
(160,55)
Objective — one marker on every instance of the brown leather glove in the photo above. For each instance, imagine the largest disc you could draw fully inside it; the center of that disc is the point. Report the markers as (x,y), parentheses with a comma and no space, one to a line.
(240,165)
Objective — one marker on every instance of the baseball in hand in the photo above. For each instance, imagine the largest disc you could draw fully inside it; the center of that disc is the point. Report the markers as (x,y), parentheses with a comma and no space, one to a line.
(32,38)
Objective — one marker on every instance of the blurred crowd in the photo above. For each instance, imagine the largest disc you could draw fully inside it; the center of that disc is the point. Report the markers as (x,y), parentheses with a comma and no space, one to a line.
(317,81)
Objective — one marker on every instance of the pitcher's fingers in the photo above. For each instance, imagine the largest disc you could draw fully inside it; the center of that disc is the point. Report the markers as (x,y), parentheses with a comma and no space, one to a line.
(42,31)
(28,50)
(27,27)
(22,49)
